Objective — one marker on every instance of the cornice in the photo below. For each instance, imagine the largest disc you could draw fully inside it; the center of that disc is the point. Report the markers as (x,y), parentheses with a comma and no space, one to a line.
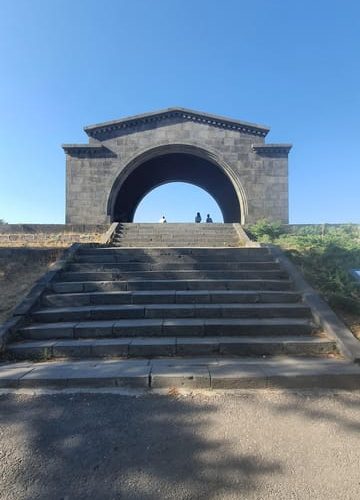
(86,150)
(176,113)
(272,149)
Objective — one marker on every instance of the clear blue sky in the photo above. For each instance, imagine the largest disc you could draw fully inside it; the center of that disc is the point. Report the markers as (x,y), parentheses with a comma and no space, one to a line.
(180,201)
(293,65)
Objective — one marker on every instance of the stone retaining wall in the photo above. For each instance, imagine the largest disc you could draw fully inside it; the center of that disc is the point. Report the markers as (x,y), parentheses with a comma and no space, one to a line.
(318,228)
(54,235)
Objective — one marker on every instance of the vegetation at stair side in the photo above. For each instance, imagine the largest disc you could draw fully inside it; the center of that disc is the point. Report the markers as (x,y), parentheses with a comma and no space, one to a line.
(324,253)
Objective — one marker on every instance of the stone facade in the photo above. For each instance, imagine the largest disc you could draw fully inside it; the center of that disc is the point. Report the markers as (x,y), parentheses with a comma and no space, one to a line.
(95,172)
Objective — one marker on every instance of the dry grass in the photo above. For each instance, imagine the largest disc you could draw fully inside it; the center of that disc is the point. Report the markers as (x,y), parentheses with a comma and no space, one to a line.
(19,270)
(46,240)
(18,274)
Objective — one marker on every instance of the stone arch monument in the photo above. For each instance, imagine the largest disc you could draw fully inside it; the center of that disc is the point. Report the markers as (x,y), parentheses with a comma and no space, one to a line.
(125,159)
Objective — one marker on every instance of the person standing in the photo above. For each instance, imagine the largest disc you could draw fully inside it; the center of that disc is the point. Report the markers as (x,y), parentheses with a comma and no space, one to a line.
(198,218)
(208,219)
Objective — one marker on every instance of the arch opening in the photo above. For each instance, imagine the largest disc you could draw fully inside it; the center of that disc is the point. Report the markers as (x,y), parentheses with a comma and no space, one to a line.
(167,167)
(168,200)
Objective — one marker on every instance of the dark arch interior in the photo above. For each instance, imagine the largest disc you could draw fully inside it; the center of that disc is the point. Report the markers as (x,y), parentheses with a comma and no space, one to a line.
(176,167)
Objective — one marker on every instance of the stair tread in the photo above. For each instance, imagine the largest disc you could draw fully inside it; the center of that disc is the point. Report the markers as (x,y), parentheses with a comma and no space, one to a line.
(280,361)
(183,372)
(157,265)
(181,321)
(173,284)
(309,339)
(161,276)
(120,307)
(179,292)
(191,280)
(187,250)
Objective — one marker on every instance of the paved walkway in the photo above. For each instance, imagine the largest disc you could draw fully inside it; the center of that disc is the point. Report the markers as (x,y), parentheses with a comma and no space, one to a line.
(252,445)
(191,373)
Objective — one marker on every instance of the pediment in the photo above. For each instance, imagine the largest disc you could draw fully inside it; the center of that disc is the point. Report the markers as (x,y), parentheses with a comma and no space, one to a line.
(157,118)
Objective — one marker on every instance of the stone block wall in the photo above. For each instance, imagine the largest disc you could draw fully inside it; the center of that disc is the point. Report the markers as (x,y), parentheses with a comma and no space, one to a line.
(259,171)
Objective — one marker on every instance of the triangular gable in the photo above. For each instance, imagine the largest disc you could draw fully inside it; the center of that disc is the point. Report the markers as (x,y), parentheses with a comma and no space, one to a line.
(164,115)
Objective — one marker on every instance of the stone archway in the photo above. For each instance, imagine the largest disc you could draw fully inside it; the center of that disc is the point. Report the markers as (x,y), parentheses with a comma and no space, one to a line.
(127,158)
(175,163)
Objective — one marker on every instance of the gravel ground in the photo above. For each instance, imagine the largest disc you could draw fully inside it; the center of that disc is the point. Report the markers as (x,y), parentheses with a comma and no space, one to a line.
(256,445)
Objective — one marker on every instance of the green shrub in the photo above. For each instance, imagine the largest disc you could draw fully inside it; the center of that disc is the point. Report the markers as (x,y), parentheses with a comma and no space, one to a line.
(325,254)
(265,230)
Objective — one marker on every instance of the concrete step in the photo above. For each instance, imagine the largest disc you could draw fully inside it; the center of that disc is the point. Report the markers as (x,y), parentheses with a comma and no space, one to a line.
(169,297)
(184,327)
(128,311)
(201,373)
(185,238)
(187,235)
(179,232)
(203,254)
(203,284)
(139,226)
(170,346)
(174,227)
(175,235)
(177,251)
(145,237)
(133,256)
(180,240)
(172,266)
(170,275)
(167,244)
(195,232)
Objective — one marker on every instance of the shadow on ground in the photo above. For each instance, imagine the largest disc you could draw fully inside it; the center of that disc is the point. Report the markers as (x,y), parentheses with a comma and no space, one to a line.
(309,408)
(263,444)
(107,446)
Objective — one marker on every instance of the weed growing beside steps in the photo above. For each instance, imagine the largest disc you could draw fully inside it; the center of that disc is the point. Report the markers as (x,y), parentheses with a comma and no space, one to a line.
(324,254)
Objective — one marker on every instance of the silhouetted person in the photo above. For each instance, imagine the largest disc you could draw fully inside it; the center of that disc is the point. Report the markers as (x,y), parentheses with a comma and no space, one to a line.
(198,218)
(208,219)
(162,220)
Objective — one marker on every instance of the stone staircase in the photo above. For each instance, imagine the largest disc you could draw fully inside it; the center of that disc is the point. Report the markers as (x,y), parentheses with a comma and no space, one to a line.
(177,235)
(172,316)
(170,302)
